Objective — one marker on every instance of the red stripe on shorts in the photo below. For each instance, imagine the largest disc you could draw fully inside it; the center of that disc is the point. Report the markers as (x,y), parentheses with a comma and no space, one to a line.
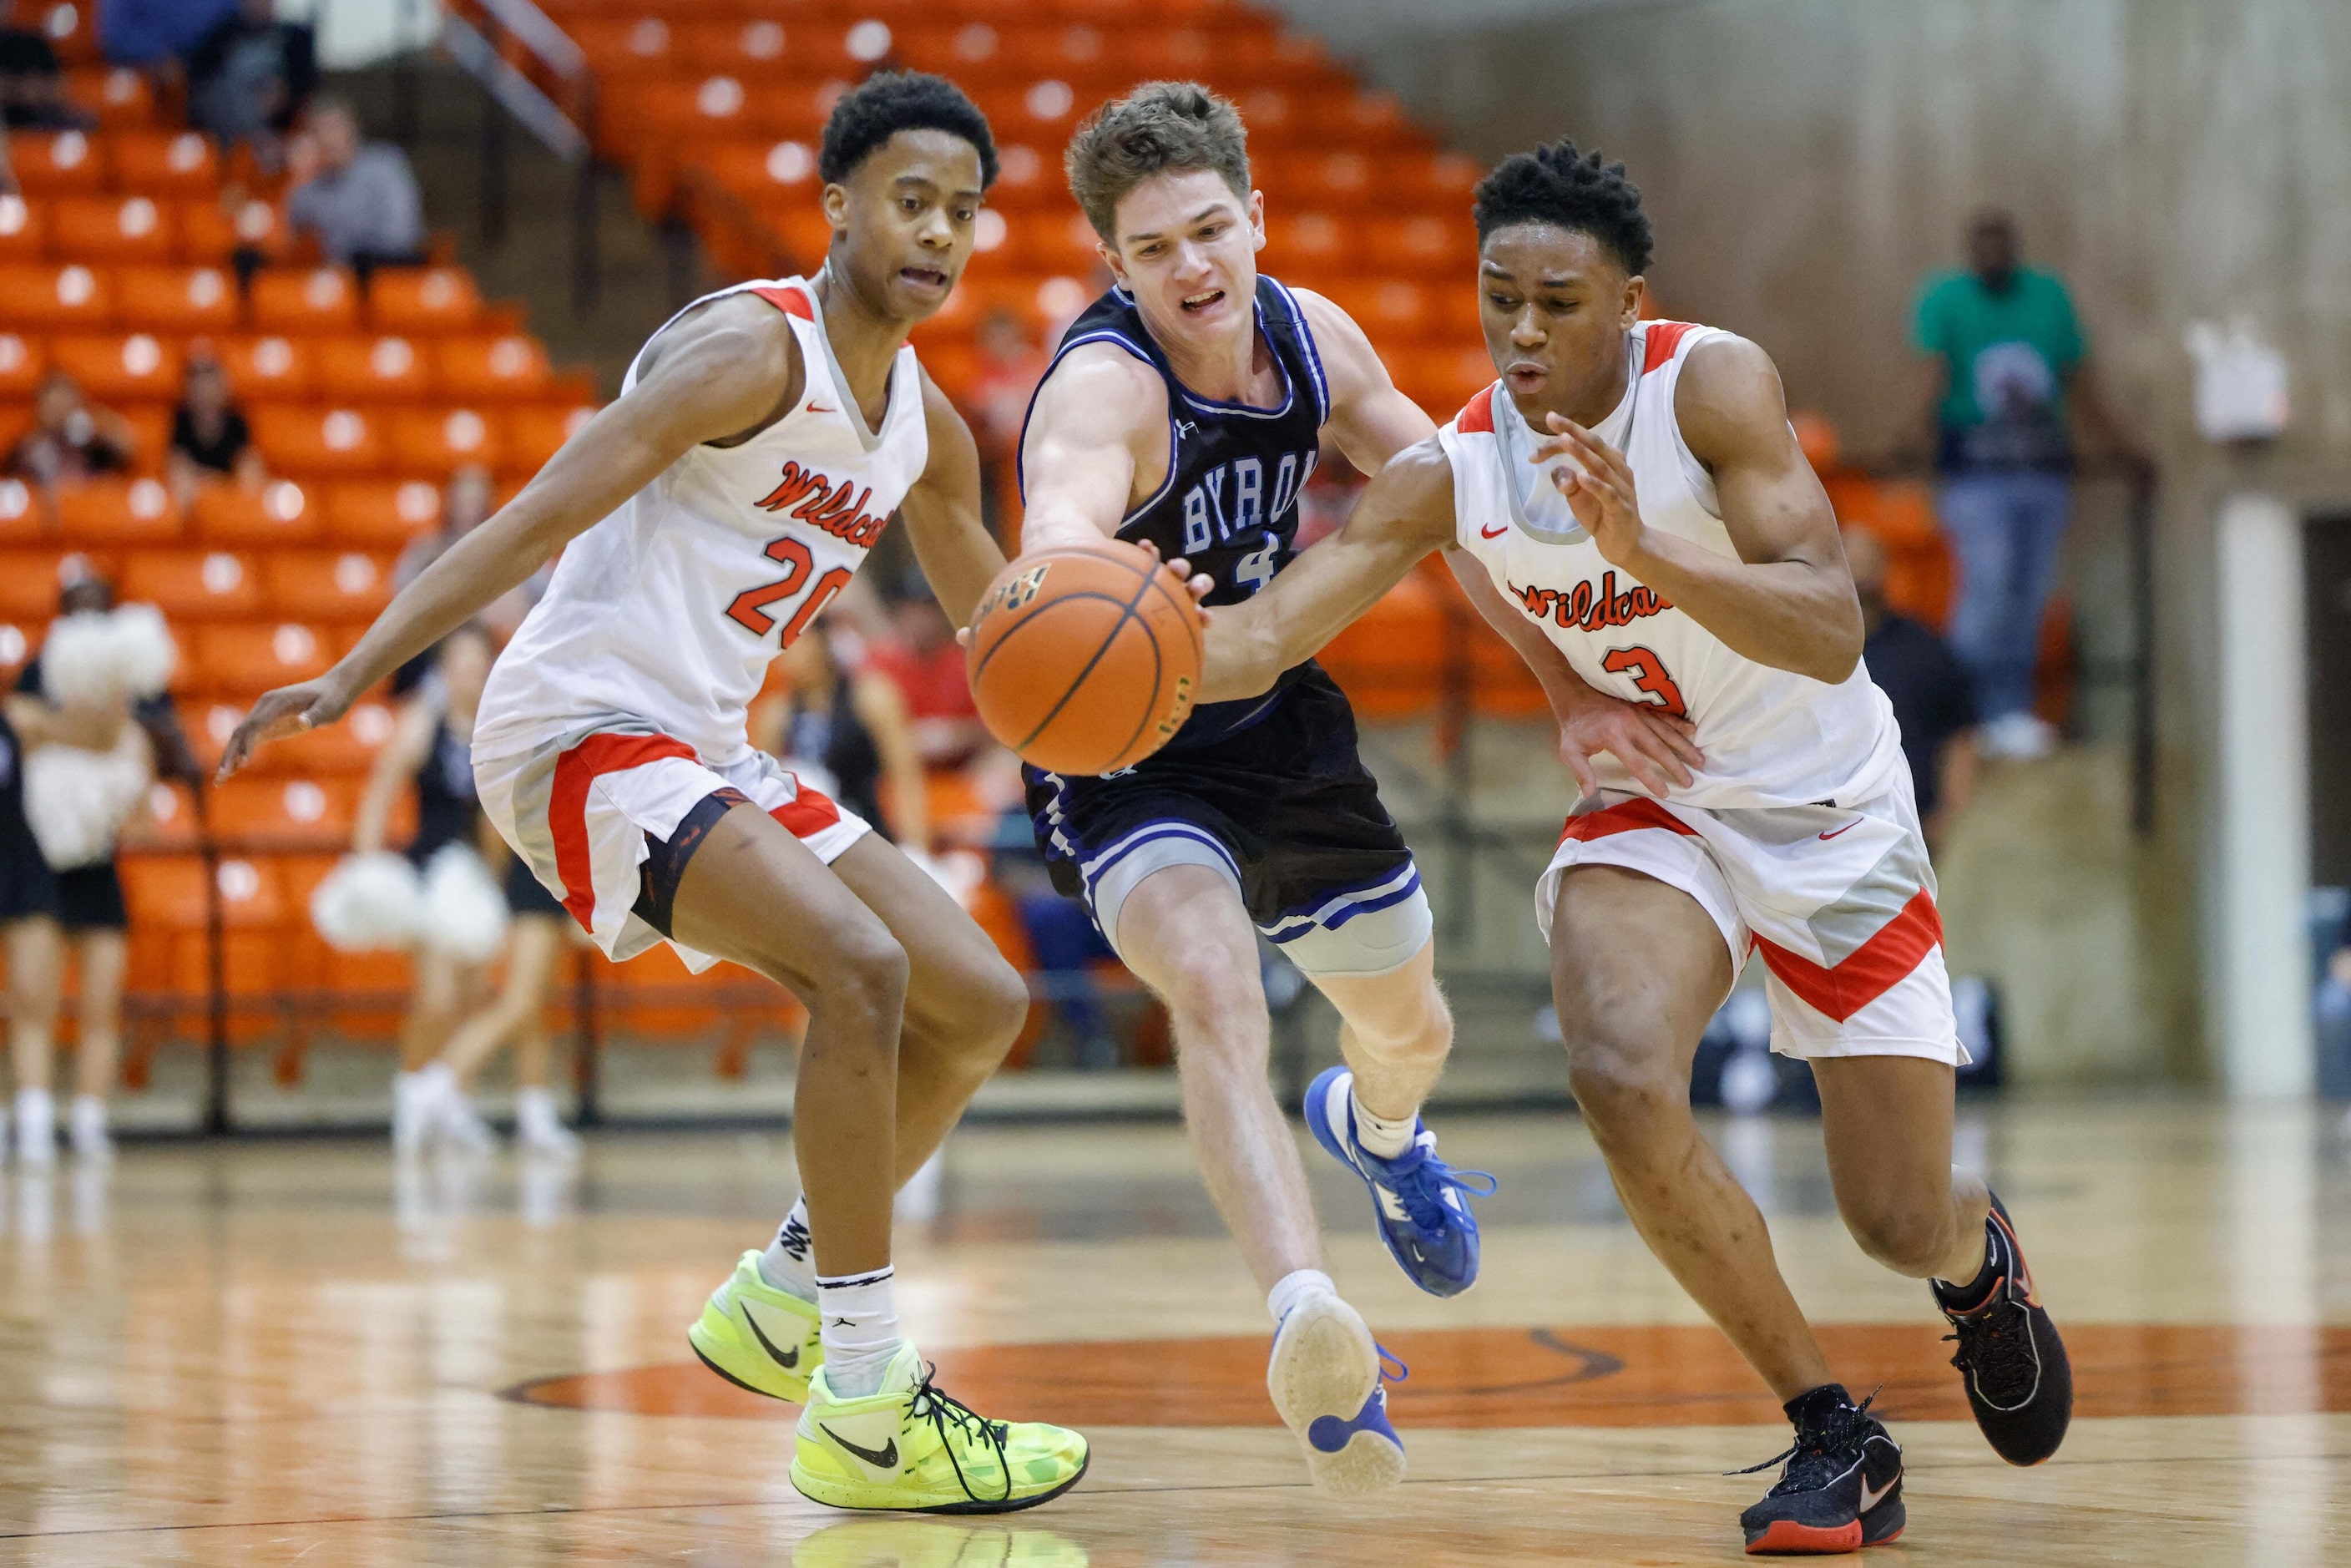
(1869,971)
(807,813)
(566,807)
(1625,816)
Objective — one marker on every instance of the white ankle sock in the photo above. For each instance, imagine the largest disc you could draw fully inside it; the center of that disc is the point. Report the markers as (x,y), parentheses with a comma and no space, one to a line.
(858,1325)
(36,1126)
(1294,1288)
(787,1264)
(535,1111)
(86,1117)
(1378,1135)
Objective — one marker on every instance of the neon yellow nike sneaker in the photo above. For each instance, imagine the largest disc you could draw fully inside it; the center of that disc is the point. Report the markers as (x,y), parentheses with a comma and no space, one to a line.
(934,1544)
(912,1447)
(757,1337)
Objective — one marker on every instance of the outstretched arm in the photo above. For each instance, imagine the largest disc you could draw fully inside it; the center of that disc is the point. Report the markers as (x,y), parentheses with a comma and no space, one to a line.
(1100,418)
(952,545)
(1787,600)
(720,375)
(1404,513)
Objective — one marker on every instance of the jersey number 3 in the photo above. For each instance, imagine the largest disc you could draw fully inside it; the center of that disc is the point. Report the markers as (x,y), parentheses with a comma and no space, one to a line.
(1648,673)
(750,606)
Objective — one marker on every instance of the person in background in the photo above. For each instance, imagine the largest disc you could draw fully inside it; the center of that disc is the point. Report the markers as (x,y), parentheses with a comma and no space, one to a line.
(249,77)
(210,439)
(32,85)
(69,441)
(845,728)
(1934,699)
(466,502)
(2011,382)
(1010,365)
(152,35)
(927,666)
(358,198)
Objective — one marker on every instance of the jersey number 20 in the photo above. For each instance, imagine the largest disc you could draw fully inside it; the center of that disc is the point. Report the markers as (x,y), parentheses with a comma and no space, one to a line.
(750,606)
(1648,673)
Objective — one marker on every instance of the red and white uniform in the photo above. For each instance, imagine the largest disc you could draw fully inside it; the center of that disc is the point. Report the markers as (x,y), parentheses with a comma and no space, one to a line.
(1799,836)
(621,703)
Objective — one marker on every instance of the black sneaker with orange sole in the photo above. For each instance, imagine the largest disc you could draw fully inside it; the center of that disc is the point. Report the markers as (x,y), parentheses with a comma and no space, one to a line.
(1840,1488)
(2020,1384)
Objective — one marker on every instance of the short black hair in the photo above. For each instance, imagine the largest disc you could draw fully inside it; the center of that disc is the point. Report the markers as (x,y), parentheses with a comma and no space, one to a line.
(887,102)
(1555,183)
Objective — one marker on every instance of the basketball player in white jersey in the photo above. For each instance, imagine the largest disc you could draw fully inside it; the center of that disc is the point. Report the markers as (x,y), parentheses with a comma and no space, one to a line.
(1646,528)
(1184,410)
(762,441)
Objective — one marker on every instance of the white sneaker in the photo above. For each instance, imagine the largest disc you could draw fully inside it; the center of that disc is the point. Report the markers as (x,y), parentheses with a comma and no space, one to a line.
(457,1123)
(2018,737)
(1325,1379)
(411,1121)
(37,1129)
(538,1130)
(85,1126)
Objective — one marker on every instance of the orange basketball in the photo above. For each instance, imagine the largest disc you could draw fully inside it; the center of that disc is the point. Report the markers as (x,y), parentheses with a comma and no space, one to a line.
(1083,658)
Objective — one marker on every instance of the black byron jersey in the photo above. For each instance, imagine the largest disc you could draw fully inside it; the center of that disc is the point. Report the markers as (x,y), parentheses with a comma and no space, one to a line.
(1233,473)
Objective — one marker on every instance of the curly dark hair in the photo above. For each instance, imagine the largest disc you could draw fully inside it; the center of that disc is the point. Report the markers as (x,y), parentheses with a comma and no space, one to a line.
(1555,183)
(887,102)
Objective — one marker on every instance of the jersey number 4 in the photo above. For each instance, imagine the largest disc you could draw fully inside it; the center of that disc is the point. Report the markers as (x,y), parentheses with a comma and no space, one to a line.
(750,606)
(1648,673)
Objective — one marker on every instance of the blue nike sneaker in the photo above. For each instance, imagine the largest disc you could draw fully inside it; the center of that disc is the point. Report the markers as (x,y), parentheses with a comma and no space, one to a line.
(1415,1197)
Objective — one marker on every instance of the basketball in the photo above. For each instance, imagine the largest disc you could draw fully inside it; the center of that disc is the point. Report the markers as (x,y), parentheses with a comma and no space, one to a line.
(1083,659)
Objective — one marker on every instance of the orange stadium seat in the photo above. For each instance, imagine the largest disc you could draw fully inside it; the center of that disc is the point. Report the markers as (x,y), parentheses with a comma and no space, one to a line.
(268,368)
(248,660)
(440,443)
(116,513)
(345,750)
(423,301)
(382,514)
(57,162)
(169,818)
(493,370)
(279,513)
(535,434)
(115,229)
(72,30)
(181,300)
(164,163)
(212,234)
(21,364)
(112,368)
(24,229)
(23,519)
(119,96)
(1427,247)
(284,813)
(193,585)
(321,300)
(315,585)
(306,442)
(372,370)
(166,895)
(69,299)
(29,583)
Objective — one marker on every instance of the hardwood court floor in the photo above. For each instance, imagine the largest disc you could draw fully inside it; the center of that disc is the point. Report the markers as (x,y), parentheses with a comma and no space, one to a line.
(295,1351)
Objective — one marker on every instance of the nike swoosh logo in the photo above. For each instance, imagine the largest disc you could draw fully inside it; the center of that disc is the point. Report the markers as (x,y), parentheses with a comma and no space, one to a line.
(1869,1498)
(1484,533)
(787,1359)
(886,1458)
(813,409)
(1846,829)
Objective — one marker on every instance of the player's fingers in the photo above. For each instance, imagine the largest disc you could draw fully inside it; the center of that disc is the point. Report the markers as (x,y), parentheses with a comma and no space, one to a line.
(1678,737)
(1587,783)
(963,637)
(1660,756)
(1200,583)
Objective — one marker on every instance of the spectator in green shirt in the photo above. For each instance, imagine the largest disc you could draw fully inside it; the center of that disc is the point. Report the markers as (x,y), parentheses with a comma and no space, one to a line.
(2011,382)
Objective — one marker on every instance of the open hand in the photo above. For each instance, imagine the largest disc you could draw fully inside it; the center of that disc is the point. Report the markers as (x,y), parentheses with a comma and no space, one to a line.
(288,710)
(1602,495)
(1657,748)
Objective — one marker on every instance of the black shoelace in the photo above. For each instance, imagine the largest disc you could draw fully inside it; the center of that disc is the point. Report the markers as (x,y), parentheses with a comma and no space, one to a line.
(949,1415)
(1821,1451)
(1995,1348)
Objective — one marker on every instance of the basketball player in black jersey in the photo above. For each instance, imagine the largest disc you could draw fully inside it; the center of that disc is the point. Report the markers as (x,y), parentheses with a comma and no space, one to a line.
(1184,410)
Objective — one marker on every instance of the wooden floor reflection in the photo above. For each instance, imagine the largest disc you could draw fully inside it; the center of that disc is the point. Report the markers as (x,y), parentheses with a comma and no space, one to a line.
(288,1352)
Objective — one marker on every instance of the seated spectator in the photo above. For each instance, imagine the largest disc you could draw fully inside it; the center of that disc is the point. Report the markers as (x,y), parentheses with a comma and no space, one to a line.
(209,437)
(153,34)
(844,730)
(1933,697)
(360,199)
(249,77)
(69,441)
(32,86)
(927,666)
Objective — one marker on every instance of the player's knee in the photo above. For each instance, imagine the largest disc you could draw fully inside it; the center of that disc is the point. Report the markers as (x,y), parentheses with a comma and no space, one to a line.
(998,1008)
(1621,1088)
(1207,982)
(1909,1238)
(862,982)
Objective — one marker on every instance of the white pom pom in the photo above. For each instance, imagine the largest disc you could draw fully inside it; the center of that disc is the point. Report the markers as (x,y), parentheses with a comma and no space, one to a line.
(144,652)
(78,800)
(464,909)
(79,663)
(369,902)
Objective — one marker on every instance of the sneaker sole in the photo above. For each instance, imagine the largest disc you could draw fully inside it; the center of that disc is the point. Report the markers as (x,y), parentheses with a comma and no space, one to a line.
(720,1346)
(1327,1365)
(858,1499)
(1786,1538)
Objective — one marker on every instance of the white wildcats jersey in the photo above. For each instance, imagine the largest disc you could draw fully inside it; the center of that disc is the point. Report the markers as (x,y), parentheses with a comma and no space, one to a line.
(1772,738)
(670,610)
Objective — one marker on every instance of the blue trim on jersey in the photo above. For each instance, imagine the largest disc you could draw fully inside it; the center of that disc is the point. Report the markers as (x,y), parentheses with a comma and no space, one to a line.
(1332,912)
(1313,354)
(1153,831)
